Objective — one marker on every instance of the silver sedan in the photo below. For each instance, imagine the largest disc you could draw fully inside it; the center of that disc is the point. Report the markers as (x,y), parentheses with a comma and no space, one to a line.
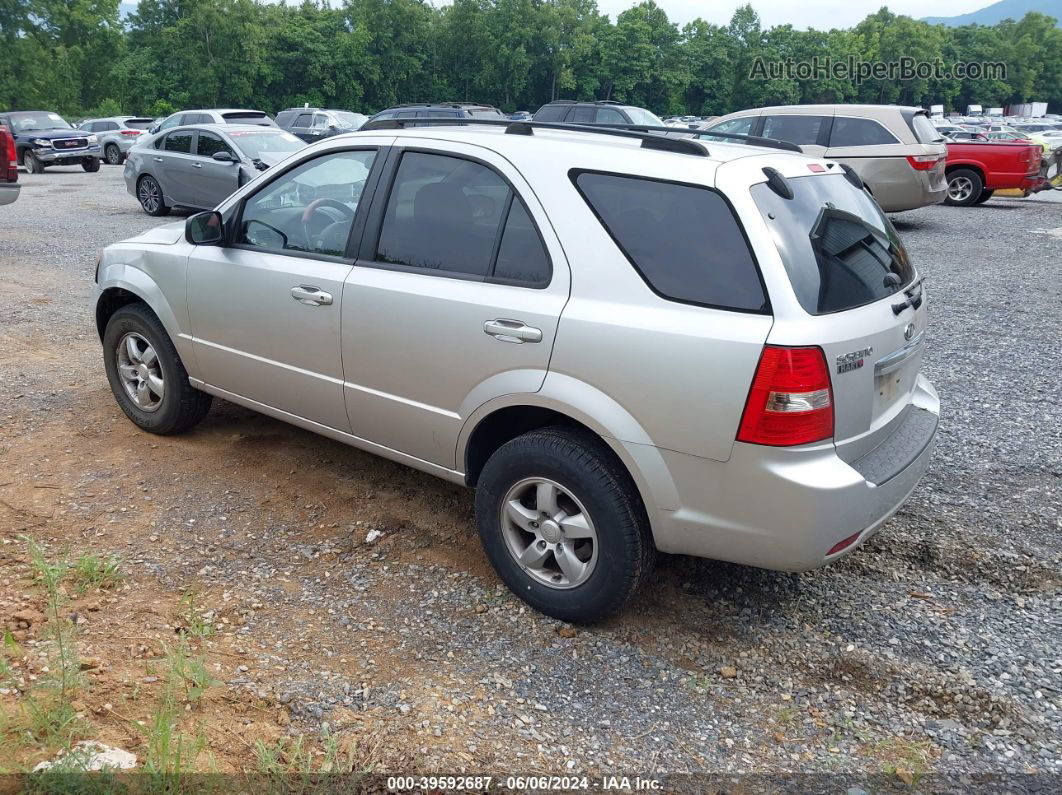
(200,165)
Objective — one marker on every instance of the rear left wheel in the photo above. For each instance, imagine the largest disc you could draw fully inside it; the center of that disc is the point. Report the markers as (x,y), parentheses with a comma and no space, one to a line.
(563,524)
(149,192)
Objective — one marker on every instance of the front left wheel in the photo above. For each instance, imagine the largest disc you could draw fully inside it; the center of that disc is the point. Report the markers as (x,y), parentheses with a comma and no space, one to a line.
(563,524)
(147,376)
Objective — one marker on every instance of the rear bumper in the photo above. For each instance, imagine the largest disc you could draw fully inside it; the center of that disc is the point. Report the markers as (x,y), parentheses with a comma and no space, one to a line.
(786,508)
(9,192)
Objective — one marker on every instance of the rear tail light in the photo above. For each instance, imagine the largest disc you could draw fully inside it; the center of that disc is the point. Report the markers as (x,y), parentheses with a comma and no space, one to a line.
(790,401)
(131,132)
(11,167)
(923,162)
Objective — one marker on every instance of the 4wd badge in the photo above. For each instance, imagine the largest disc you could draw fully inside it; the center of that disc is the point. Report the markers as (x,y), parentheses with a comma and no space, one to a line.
(853,360)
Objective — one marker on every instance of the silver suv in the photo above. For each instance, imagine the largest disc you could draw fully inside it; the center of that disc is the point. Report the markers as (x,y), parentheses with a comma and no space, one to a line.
(626,343)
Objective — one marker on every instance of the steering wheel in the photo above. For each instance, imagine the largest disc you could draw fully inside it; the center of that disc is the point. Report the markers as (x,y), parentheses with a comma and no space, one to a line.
(318,205)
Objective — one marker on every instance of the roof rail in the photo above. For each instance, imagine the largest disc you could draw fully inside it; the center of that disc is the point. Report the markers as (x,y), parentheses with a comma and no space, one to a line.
(751,140)
(607,102)
(649,139)
(562,102)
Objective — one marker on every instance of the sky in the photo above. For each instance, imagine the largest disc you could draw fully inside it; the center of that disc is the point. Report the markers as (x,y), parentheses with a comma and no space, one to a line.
(821,14)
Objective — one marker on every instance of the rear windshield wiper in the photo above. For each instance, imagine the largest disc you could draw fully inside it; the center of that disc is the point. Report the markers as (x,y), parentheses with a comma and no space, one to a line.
(914,297)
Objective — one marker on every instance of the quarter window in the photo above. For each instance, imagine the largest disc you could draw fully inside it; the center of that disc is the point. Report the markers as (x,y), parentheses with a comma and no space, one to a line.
(450,215)
(180,142)
(310,208)
(583,115)
(684,240)
(859,132)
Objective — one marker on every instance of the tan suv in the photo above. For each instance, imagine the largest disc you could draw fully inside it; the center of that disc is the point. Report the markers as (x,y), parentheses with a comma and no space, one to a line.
(896,150)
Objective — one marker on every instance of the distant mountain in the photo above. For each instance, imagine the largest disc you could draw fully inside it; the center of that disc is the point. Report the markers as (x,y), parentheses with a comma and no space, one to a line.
(1004,9)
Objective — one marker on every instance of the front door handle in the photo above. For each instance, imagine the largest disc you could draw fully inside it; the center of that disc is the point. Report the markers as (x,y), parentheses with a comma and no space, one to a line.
(512,331)
(311,296)
(157,159)
(197,165)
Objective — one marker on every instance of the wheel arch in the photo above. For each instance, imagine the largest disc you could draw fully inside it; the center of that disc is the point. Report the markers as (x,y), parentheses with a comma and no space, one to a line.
(504,418)
(122,285)
(975,167)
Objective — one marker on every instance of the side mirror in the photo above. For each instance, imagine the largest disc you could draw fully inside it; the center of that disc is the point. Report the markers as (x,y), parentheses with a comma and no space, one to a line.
(204,229)
(223,157)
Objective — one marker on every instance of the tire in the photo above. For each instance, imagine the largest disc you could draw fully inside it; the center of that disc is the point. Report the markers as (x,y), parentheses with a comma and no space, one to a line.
(91,164)
(964,187)
(32,163)
(113,155)
(149,192)
(611,543)
(180,406)
(985,196)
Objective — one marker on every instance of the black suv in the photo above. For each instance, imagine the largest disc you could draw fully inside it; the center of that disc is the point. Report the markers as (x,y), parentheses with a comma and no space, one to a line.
(313,124)
(603,112)
(437,110)
(43,138)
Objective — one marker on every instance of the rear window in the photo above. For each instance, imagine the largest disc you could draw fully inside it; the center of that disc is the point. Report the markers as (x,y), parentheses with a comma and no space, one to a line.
(246,117)
(924,130)
(683,240)
(838,248)
(139,124)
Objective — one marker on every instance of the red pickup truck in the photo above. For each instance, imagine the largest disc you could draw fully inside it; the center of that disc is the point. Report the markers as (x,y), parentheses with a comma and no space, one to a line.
(9,186)
(975,170)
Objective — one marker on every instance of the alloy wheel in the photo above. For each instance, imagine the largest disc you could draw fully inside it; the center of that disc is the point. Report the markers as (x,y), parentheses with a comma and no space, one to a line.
(148,193)
(960,188)
(140,372)
(549,533)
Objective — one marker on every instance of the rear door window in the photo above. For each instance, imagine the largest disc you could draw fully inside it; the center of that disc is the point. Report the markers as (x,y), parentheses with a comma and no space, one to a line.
(838,248)
(684,240)
(798,129)
(610,116)
(848,131)
(179,142)
(443,214)
(551,113)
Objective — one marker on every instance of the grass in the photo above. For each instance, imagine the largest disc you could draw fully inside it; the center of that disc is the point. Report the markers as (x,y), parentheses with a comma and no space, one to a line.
(92,572)
(44,718)
(192,620)
(291,766)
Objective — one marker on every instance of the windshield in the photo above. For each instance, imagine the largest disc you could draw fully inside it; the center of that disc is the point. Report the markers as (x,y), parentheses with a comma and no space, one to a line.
(642,116)
(924,130)
(350,121)
(255,143)
(839,249)
(24,122)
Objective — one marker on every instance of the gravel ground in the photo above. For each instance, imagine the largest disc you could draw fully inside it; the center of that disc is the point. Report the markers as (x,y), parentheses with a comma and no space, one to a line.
(937,647)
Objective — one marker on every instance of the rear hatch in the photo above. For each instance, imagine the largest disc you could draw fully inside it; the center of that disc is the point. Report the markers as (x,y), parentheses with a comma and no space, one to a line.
(247,117)
(862,301)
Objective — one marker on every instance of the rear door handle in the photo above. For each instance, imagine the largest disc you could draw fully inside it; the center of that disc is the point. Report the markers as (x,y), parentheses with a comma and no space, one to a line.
(158,159)
(512,331)
(311,296)
(197,165)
